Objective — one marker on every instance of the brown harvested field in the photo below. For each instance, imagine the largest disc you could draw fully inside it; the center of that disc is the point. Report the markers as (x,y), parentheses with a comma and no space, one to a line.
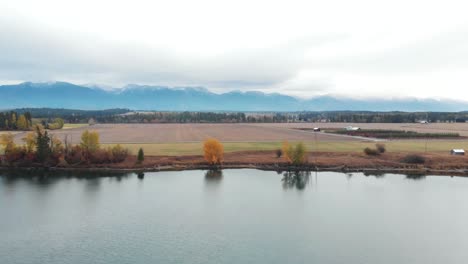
(185,139)
(461,128)
(177,133)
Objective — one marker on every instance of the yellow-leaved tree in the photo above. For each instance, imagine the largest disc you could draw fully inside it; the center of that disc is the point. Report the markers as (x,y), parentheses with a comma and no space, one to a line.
(298,154)
(22,123)
(213,151)
(286,150)
(7,142)
(89,143)
(30,141)
(295,154)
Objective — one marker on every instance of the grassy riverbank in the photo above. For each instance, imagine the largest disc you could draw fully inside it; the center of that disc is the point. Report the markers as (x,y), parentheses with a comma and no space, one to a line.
(195,148)
(403,146)
(434,163)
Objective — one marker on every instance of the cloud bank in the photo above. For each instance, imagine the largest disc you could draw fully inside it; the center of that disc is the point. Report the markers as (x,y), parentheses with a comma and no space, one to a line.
(300,48)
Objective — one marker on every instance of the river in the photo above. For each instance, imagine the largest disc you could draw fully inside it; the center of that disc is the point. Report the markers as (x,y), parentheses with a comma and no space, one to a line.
(233,216)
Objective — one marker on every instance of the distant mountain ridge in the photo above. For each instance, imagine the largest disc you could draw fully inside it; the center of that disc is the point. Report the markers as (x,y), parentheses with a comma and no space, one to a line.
(162,98)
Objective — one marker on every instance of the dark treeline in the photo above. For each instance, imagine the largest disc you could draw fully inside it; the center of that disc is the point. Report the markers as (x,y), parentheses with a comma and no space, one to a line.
(382,117)
(13,120)
(196,117)
(128,116)
(23,120)
(71,115)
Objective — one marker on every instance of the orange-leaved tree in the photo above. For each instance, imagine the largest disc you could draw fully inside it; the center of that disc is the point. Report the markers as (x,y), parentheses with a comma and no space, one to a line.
(213,150)
(286,150)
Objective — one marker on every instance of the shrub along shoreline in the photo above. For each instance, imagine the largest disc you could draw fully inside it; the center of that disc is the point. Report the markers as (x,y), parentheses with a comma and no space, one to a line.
(267,160)
(44,151)
(265,167)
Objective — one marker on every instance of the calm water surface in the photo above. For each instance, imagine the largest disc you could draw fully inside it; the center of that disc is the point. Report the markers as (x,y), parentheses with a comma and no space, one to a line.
(239,216)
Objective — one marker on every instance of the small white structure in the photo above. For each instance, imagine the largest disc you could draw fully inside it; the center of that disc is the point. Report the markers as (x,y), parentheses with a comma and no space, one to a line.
(423,122)
(91,122)
(351,128)
(460,152)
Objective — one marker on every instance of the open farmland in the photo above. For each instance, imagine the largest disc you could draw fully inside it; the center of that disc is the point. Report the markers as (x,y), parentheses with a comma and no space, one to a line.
(179,133)
(186,139)
(460,128)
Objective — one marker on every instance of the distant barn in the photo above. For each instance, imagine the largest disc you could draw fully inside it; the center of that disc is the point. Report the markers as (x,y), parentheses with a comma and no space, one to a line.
(460,152)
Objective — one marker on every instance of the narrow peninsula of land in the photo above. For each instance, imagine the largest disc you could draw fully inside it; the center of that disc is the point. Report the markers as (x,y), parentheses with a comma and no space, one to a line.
(421,163)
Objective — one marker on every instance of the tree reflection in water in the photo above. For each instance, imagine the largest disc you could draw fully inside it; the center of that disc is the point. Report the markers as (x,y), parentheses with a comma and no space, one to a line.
(415,176)
(45,178)
(295,179)
(376,174)
(213,176)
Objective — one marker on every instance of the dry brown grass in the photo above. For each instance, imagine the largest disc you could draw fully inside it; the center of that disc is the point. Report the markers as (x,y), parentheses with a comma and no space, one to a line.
(173,133)
(322,160)
(255,143)
(186,139)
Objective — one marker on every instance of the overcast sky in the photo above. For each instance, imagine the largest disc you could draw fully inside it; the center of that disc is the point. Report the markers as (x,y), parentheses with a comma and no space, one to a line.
(302,48)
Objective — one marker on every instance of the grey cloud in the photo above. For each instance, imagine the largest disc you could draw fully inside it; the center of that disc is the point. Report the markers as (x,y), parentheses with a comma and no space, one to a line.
(35,54)
(445,50)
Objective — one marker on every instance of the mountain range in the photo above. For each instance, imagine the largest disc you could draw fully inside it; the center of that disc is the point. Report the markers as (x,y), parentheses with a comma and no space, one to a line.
(162,98)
